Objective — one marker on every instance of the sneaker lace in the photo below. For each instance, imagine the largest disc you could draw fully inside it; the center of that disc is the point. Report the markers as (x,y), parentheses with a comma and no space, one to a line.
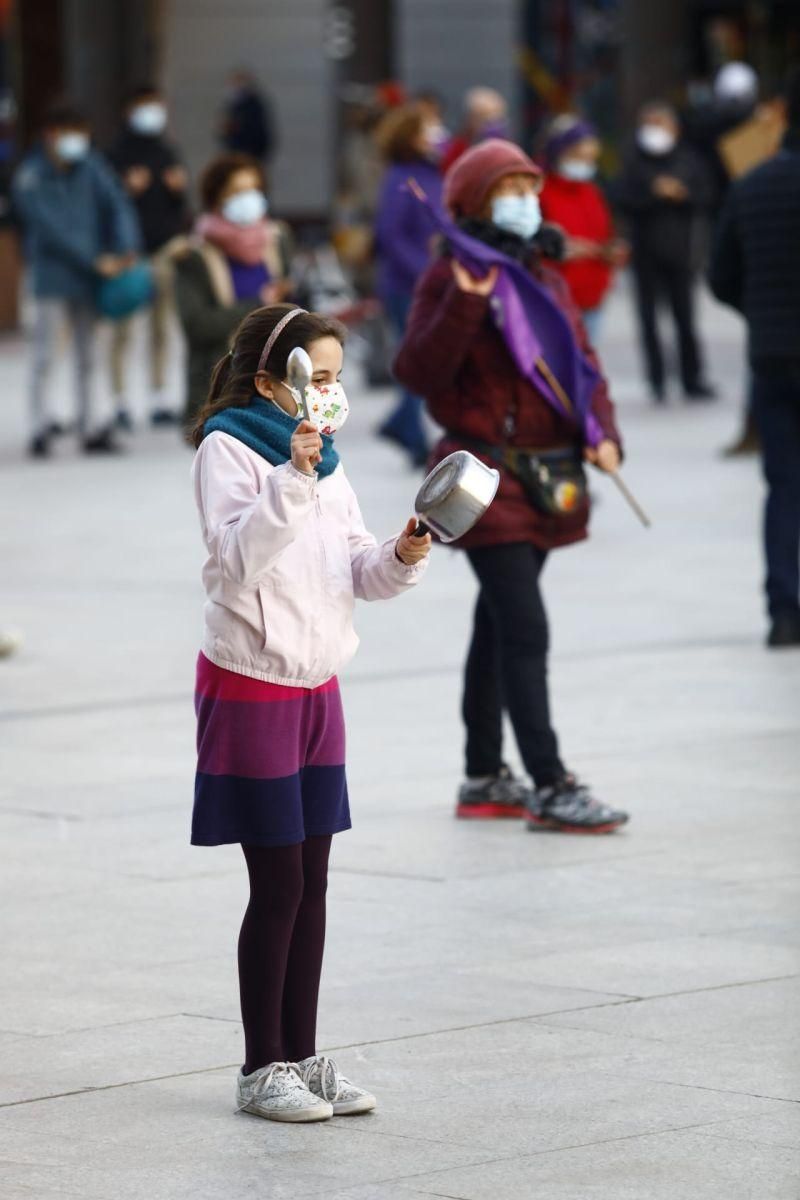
(328,1070)
(262,1083)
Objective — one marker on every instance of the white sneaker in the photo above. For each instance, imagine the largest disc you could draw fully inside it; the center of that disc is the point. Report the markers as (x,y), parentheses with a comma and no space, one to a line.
(322,1077)
(278,1093)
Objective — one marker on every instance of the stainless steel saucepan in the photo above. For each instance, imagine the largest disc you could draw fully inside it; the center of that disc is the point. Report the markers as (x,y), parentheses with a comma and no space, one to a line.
(455,496)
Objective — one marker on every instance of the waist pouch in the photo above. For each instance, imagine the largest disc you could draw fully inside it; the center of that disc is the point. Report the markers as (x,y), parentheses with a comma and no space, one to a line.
(554,480)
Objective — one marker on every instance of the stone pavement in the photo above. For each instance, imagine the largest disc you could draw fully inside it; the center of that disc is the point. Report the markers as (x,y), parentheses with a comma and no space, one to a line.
(540,1016)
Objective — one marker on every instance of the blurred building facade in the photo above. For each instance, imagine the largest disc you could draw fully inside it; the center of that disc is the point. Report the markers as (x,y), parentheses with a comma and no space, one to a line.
(542,55)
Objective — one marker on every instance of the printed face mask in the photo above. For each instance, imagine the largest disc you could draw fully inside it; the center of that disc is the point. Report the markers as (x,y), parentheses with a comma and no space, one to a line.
(72,147)
(245,208)
(149,119)
(327,406)
(518,214)
(655,139)
(578,170)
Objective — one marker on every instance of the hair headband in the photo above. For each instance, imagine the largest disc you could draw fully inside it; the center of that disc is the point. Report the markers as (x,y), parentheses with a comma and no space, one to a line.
(276,333)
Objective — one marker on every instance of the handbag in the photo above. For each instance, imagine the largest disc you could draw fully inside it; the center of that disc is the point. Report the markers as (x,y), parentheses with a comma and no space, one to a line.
(554,480)
(124,294)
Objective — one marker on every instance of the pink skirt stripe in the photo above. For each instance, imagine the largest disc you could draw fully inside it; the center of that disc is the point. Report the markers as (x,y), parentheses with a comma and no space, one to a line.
(218,683)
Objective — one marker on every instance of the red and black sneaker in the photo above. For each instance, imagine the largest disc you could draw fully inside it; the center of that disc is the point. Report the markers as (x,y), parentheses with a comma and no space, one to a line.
(569,807)
(492,799)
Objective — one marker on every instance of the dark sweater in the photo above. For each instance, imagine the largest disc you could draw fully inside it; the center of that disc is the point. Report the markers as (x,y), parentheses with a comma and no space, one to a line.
(662,229)
(755,263)
(162,212)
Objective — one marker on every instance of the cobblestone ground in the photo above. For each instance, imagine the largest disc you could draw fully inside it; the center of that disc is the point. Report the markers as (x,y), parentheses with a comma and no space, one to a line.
(565,1018)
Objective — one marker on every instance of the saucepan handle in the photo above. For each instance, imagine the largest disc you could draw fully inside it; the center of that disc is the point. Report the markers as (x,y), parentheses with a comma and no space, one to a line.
(421,530)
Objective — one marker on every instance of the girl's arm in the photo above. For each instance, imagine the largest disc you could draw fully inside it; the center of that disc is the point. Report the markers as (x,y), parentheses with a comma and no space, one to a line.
(378,574)
(246,529)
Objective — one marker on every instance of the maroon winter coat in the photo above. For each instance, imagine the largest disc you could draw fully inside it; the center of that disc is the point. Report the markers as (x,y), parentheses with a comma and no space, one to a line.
(454,356)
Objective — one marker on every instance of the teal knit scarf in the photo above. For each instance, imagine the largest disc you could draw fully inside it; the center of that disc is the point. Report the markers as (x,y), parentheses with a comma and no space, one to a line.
(268,430)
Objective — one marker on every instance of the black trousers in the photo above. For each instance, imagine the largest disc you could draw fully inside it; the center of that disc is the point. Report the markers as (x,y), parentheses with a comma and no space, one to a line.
(776,403)
(673,282)
(507,664)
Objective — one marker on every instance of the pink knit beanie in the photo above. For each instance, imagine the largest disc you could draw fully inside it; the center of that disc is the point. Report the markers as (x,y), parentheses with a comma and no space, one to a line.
(473,175)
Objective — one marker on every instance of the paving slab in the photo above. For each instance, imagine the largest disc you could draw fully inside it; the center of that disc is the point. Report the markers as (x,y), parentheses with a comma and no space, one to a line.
(679,1165)
(539,1015)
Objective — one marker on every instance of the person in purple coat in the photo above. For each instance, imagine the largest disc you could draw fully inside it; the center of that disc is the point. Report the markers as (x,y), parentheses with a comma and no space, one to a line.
(408,141)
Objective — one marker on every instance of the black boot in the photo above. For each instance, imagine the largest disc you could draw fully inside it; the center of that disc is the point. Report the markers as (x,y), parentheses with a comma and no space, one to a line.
(785,630)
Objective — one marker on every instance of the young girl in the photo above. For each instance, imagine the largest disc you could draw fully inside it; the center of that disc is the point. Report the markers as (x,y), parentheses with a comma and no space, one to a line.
(288,555)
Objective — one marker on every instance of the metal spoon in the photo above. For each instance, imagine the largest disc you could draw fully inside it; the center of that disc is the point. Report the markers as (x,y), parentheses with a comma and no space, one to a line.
(298,375)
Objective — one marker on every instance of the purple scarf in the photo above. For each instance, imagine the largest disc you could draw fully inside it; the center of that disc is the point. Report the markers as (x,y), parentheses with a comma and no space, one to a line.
(537,333)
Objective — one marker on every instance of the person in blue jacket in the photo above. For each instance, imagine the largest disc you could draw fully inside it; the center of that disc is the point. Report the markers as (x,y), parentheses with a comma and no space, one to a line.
(78,227)
(403,234)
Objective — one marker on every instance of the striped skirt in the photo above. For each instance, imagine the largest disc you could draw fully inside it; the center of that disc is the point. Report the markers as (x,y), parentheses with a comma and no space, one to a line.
(270,760)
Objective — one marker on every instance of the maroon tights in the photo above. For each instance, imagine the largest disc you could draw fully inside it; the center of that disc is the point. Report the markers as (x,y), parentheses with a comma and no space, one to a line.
(280,950)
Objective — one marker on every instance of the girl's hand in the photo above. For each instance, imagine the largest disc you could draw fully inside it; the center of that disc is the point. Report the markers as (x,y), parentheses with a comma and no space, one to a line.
(409,549)
(468,283)
(306,448)
(605,456)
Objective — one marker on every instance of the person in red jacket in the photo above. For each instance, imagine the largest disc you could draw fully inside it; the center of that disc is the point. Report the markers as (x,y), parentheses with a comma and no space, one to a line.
(573,201)
(454,353)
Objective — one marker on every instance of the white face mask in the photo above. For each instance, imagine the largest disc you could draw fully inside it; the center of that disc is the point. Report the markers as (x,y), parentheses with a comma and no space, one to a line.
(655,139)
(245,208)
(149,119)
(327,406)
(578,170)
(72,147)
(521,215)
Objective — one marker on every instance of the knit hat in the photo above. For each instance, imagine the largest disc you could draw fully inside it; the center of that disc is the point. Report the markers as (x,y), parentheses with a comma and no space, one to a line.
(472,176)
(567,130)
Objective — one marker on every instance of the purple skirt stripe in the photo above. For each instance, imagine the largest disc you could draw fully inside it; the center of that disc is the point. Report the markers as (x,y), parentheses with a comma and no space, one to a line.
(236,738)
(270,760)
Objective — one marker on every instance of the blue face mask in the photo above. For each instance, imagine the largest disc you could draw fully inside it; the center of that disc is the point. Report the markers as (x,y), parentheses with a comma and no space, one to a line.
(245,208)
(73,146)
(521,215)
(578,170)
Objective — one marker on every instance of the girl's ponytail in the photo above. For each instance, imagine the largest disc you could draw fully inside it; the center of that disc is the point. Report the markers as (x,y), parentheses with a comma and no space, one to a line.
(219,377)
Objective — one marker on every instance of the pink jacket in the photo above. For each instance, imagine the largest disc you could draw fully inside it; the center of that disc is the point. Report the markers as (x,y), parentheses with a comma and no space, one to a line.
(288,556)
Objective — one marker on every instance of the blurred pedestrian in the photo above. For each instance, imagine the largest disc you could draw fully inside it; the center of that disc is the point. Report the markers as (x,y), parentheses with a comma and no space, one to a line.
(485,116)
(403,247)
(755,267)
(433,110)
(572,200)
(722,128)
(238,259)
(247,125)
(662,191)
(288,555)
(79,228)
(157,182)
(731,103)
(467,360)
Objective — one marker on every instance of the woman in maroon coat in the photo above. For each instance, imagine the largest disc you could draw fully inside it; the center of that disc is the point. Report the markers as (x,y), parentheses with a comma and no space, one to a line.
(456,357)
